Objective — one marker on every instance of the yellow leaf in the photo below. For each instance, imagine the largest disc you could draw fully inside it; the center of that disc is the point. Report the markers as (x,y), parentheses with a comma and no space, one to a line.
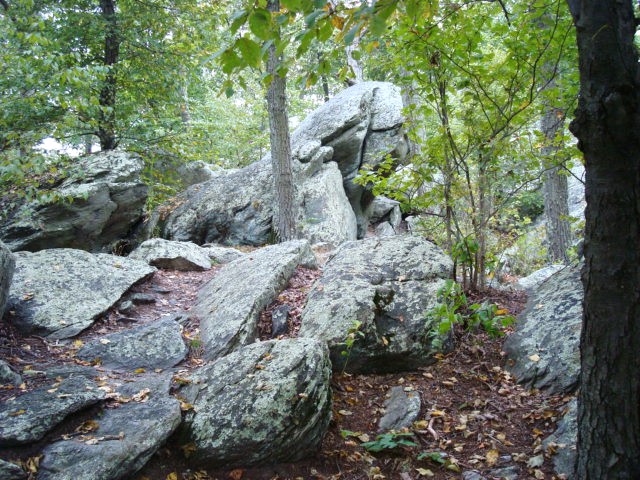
(88,426)
(139,370)
(337,21)
(185,407)
(78,343)
(172,476)
(534,358)
(425,472)
(18,412)
(188,449)
(492,457)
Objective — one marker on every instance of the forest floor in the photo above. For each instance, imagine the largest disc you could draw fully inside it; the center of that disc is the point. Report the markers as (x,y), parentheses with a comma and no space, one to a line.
(473,415)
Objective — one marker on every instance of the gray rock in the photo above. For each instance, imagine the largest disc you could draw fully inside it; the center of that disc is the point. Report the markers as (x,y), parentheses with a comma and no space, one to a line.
(537,278)
(236,207)
(156,345)
(506,473)
(575,185)
(220,254)
(7,267)
(544,350)
(472,475)
(326,215)
(229,304)
(125,440)
(58,293)
(279,320)
(395,218)
(564,441)
(385,230)
(29,417)
(265,403)
(11,471)
(142,298)
(170,255)
(380,208)
(8,376)
(386,284)
(195,172)
(104,200)
(401,409)
(126,306)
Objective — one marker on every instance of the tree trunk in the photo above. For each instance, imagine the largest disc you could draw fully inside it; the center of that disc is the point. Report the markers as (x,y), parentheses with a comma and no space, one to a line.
(355,66)
(107,121)
(556,190)
(607,125)
(285,211)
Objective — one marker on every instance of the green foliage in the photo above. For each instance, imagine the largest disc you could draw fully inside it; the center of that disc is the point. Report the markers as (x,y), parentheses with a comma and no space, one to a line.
(353,333)
(452,308)
(390,441)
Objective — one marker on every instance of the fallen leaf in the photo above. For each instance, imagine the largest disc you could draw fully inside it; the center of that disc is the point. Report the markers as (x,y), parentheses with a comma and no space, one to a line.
(492,457)
(539,474)
(185,407)
(142,396)
(364,437)
(535,462)
(139,370)
(236,474)
(346,413)
(88,426)
(188,449)
(172,476)
(425,472)
(17,412)
(105,341)
(534,358)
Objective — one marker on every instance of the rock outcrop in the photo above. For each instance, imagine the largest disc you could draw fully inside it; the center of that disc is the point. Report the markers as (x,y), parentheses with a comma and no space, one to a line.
(29,417)
(387,285)
(156,345)
(7,267)
(58,293)
(563,441)
(101,202)
(169,255)
(229,304)
(544,350)
(266,403)
(124,441)
(360,125)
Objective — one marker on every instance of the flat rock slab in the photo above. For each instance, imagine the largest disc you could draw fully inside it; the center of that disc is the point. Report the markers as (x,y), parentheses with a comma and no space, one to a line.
(544,351)
(401,409)
(29,417)
(220,254)
(156,345)
(172,255)
(58,293)
(7,267)
(125,440)
(386,284)
(229,305)
(266,403)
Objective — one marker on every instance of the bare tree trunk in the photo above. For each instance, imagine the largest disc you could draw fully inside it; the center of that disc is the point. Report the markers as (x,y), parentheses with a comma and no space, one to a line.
(607,125)
(285,208)
(107,121)
(355,66)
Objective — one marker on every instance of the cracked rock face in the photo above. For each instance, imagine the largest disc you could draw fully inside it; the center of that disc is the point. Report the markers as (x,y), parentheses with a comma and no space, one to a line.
(386,284)
(544,351)
(7,267)
(268,402)
(58,293)
(107,202)
(229,305)
(360,125)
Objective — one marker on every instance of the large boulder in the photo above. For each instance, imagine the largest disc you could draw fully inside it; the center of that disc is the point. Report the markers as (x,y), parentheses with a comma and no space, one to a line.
(156,345)
(7,267)
(361,124)
(102,201)
(27,418)
(170,255)
(125,438)
(266,403)
(379,290)
(58,293)
(229,305)
(544,351)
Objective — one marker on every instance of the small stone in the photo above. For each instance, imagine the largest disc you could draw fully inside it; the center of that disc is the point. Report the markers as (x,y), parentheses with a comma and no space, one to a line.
(279,320)
(472,475)
(402,409)
(507,473)
(142,298)
(126,306)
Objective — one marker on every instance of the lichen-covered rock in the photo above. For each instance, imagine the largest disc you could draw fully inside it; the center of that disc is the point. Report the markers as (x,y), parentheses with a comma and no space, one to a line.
(27,418)
(104,200)
(8,376)
(7,267)
(170,255)
(401,409)
(268,402)
(156,345)
(58,293)
(125,439)
(381,208)
(537,278)
(544,350)
(11,471)
(563,441)
(220,254)
(229,304)
(387,285)
(236,207)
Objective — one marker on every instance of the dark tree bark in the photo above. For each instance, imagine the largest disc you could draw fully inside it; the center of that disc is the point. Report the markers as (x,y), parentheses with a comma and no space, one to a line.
(285,211)
(556,191)
(107,121)
(607,125)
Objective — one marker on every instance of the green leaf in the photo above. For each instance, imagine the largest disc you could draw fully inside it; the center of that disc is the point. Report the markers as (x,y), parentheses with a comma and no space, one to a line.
(260,24)
(238,19)
(250,51)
